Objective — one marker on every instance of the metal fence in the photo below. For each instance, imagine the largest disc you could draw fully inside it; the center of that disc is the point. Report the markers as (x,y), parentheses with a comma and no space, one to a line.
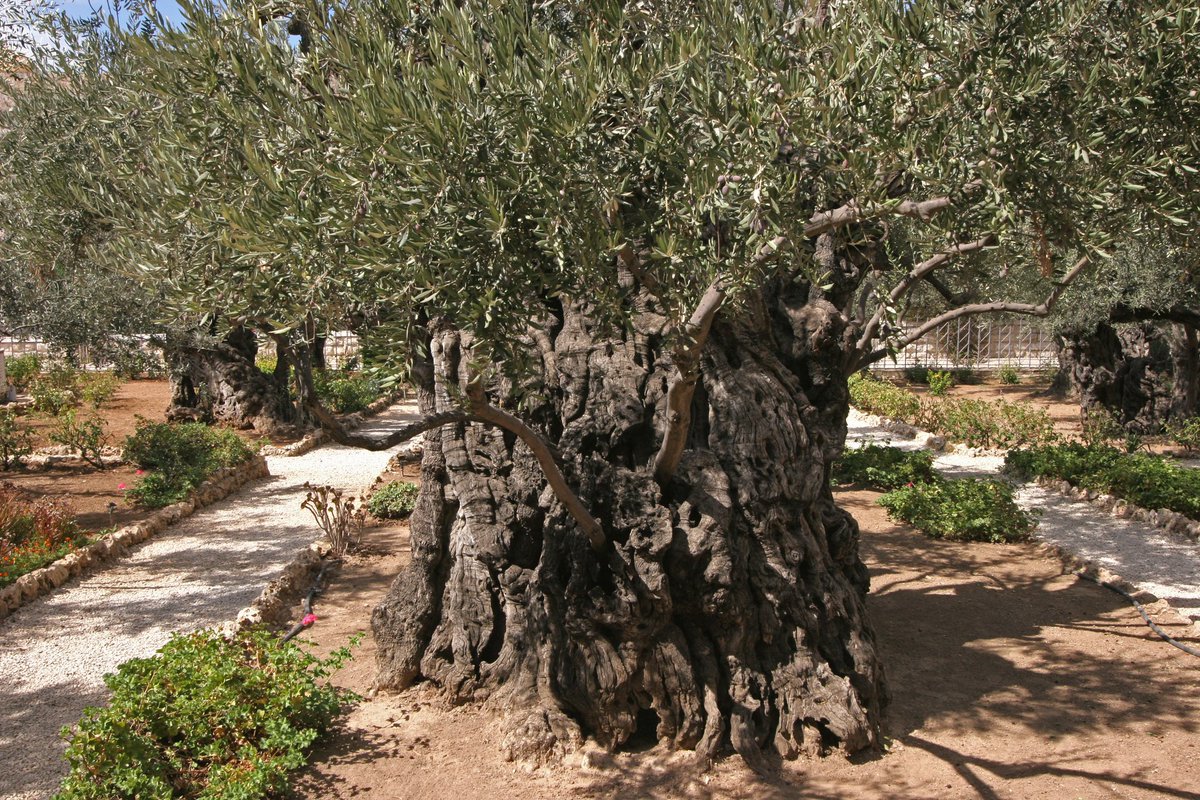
(984,344)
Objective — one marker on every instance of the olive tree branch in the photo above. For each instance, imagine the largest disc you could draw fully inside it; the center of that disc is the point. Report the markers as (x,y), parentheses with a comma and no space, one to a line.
(973,309)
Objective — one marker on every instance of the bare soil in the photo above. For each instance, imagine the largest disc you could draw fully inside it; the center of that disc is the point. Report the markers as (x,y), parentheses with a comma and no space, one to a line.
(88,490)
(1009,679)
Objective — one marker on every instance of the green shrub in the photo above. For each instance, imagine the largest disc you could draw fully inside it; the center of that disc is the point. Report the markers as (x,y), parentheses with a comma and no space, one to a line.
(266,364)
(940,383)
(57,390)
(395,500)
(1145,480)
(86,437)
(967,510)
(882,398)
(16,442)
(181,457)
(1186,434)
(1009,376)
(1101,427)
(345,393)
(883,467)
(131,363)
(204,718)
(980,423)
(98,388)
(22,370)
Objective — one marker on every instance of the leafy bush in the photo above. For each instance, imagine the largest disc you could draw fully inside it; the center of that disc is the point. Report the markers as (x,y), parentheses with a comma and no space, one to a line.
(940,383)
(22,370)
(266,364)
(131,363)
(33,533)
(345,393)
(1009,376)
(875,465)
(181,457)
(16,442)
(1186,434)
(87,437)
(57,390)
(98,389)
(397,500)
(882,398)
(967,510)
(204,718)
(1101,427)
(980,423)
(1142,479)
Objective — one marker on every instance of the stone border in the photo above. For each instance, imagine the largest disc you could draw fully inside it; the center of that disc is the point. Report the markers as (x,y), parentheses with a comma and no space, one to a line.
(117,544)
(1164,518)
(319,437)
(274,604)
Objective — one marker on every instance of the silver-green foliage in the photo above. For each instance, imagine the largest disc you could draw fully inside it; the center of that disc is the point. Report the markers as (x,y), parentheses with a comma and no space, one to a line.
(470,161)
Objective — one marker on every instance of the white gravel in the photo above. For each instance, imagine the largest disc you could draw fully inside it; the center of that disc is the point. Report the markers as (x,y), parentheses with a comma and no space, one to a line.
(200,572)
(1164,564)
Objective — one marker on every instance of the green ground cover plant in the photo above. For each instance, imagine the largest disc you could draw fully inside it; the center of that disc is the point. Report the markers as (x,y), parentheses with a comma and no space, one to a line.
(204,718)
(395,500)
(1145,480)
(1009,376)
(33,533)
(967,509)
(880,467)
(180,456)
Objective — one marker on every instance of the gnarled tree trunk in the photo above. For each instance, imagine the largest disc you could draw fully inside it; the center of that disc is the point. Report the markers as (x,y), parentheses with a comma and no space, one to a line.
(218,381)
(725,610)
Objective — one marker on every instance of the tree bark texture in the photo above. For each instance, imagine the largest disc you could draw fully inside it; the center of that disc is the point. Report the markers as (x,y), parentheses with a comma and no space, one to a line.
(218,381)
(1144,374)
(727,610)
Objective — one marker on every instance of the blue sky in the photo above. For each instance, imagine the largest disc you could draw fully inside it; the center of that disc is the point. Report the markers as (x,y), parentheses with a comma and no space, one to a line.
(84,8)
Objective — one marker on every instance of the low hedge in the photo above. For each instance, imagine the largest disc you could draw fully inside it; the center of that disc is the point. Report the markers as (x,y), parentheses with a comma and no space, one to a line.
(966,509)
(884,467)
(1144,480)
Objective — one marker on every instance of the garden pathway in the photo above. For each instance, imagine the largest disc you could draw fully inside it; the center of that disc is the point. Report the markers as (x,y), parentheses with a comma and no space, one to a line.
(1164,564)
(197,573)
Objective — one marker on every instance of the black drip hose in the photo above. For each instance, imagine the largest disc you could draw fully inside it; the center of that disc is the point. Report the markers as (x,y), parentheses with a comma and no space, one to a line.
(307,605)
(1166,637)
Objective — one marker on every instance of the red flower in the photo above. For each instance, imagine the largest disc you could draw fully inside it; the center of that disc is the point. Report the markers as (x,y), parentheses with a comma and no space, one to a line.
(309,619)
(120,486)
(140,472)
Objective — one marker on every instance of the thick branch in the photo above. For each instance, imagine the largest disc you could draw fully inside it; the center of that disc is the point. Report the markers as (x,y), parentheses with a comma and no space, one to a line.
(679,395)
(363,441)
(924,210)
(918,272)
(482,410)
(1039,310)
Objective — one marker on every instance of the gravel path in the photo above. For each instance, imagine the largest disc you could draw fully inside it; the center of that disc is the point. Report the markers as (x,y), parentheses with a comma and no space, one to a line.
(1164,564)
(202,571)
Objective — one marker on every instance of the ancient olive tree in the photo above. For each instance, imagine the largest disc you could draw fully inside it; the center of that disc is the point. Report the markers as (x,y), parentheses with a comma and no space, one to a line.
(629,252)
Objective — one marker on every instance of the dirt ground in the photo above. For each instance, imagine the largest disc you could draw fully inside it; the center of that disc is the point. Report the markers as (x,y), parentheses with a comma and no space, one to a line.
(86,489)
(1009,679)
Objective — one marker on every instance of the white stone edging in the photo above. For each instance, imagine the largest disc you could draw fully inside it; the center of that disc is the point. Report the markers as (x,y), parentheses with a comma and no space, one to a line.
(114,545)
(1164,518)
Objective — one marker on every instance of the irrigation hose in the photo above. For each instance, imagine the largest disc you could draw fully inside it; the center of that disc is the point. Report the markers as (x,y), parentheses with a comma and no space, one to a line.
(307,605)
(1166,637)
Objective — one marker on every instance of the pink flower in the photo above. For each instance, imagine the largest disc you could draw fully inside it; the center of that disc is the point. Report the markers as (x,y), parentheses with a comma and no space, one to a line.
(120,486)
(139,472)
(309,619)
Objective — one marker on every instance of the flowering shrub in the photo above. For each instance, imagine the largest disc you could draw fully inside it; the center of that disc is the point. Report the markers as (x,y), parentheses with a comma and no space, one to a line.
(940,383)
(33,533)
